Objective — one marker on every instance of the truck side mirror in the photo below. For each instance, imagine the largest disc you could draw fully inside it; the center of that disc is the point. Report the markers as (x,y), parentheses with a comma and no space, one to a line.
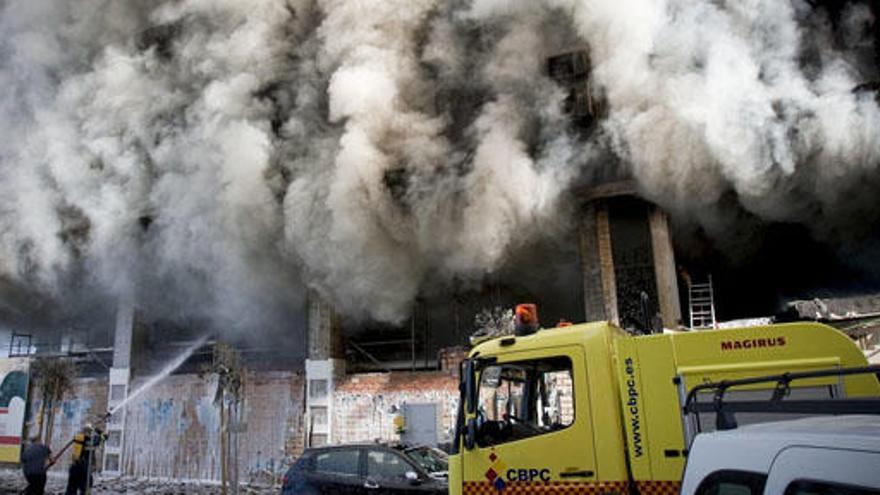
(470,393)
(470,434)
(470,388)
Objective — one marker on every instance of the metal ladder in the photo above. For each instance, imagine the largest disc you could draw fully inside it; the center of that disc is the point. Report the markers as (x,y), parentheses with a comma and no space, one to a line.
(702,304)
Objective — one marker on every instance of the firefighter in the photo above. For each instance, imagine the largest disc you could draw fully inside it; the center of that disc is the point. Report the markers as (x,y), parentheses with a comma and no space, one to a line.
(35,460)
(85,444)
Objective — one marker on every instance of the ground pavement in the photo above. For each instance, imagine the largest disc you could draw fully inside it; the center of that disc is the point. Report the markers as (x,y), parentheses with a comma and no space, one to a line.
(12,481)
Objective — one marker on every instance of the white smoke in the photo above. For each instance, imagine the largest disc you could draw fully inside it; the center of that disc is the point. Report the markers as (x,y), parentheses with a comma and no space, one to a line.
(457,216)
(707,97)
(211,157)
(120,132)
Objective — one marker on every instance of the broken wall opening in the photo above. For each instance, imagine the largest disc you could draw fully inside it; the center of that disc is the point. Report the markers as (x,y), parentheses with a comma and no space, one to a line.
(546,273)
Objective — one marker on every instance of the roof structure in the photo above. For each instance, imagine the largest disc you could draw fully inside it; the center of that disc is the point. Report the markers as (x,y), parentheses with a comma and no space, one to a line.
(835,309)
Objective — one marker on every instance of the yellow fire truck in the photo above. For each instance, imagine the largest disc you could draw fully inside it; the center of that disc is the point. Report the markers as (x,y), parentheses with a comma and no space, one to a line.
(591,409)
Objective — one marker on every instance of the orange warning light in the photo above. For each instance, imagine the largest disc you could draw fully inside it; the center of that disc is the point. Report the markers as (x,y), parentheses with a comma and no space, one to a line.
(526,319)
(527,313)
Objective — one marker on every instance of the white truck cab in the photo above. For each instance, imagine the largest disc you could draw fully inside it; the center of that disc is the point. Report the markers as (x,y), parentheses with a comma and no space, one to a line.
(831,455)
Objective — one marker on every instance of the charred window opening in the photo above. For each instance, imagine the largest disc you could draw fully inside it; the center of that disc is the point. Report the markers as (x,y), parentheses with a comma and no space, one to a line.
(759,266)
(547,274)
(569,68)
(633,257)
(572,71)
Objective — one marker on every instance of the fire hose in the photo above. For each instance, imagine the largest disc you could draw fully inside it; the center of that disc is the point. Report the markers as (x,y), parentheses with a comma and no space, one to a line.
(100,420)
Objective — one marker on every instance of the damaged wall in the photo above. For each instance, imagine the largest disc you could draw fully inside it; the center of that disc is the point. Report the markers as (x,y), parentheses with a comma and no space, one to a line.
(174,429)
(365,404)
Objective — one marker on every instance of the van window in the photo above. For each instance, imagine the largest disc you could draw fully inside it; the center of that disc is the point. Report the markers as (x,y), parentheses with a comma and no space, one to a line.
(804,487)
(342,461)
(705,422)
(523,399)
(732,483)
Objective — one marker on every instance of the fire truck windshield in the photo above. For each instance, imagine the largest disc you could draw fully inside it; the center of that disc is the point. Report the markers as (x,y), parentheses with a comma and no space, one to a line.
(522,399)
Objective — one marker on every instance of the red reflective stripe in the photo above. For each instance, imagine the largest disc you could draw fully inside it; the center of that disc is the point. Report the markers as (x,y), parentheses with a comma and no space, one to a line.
(570,487)
(10,440)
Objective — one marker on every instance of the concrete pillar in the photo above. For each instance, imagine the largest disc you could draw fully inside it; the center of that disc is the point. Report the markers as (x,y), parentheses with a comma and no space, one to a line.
(606,264)
(324,367)
(600,282)
(594,303)
(600,289)
(664,269)
(120,378)
(123,334)
(324,330)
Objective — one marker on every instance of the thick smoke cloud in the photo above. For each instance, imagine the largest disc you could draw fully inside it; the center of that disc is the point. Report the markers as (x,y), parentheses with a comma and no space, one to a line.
(754,97)
(137,152)
(212,158)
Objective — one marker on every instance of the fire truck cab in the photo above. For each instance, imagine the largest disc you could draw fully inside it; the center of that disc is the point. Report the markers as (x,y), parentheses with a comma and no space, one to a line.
(589,408)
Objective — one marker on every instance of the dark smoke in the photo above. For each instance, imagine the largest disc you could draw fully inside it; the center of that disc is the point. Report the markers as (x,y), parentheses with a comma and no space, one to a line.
(212,158)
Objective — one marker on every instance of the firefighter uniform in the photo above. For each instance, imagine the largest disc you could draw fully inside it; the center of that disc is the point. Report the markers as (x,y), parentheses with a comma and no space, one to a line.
(85,444)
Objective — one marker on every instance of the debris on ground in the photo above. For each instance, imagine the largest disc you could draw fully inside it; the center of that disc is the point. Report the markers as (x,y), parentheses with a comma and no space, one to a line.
(12,481)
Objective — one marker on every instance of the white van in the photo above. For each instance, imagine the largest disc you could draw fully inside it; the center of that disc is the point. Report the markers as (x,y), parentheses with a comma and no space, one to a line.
(831,455)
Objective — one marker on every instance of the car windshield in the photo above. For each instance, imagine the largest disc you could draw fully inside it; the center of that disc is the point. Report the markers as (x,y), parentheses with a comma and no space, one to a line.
(431,460)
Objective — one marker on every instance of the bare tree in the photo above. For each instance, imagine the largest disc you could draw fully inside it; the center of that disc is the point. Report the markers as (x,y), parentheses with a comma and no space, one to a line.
(55,377)
(230,371)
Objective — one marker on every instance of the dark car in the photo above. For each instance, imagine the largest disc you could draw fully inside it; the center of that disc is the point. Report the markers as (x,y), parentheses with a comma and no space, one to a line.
(435,462)
(361,470)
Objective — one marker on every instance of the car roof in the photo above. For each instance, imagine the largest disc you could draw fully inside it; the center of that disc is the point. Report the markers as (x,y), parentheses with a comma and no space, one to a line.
(388,445)
(756,447)
(753,447)
(849,431)
(395,446)
(320,448)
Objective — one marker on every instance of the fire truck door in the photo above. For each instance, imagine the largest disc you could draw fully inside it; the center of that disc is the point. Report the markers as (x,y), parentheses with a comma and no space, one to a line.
(533,423)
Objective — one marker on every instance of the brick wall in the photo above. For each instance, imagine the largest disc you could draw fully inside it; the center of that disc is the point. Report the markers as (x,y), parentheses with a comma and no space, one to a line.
(362,404)
(450,358)
(172,430)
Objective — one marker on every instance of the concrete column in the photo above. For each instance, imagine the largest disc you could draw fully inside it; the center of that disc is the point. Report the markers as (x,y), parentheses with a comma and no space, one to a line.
(324,330)
(120,378)
(123,334)
(600,288)
(606,263)
(594,303)
(324,366)
(664,269)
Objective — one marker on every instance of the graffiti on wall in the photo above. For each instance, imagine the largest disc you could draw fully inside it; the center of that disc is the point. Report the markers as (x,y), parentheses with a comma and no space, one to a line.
(173,430)
(13,398)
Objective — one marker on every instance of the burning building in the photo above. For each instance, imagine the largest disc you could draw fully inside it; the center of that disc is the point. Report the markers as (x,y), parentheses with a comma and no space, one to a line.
(341,188)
